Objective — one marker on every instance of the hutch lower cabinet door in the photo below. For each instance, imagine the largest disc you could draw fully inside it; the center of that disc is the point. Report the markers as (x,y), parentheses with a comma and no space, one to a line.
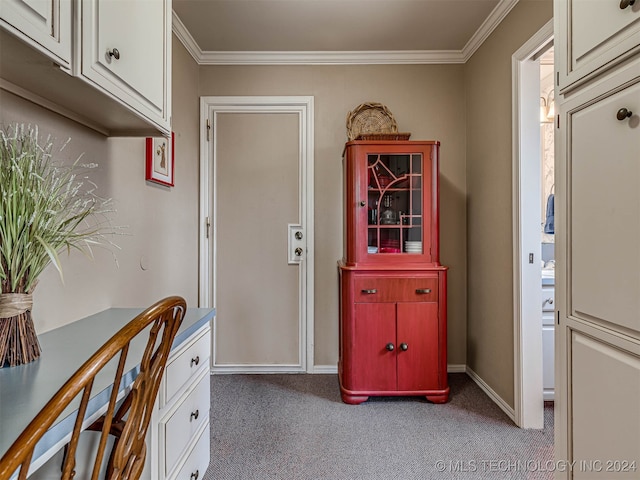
(393,335)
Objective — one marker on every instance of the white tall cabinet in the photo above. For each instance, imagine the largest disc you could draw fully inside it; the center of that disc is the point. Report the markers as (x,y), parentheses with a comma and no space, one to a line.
(598,238)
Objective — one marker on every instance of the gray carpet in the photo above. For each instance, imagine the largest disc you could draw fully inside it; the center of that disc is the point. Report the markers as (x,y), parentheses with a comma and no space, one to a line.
(295,427)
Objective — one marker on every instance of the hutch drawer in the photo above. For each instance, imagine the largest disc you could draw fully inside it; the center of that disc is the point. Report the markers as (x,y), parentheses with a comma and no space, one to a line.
(395,289)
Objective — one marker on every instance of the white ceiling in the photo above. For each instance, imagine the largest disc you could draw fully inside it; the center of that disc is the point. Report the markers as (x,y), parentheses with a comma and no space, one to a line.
(335,31)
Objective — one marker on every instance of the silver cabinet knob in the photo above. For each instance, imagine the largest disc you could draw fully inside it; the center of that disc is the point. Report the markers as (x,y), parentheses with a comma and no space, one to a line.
(114,53)
(298,252)
(298,235)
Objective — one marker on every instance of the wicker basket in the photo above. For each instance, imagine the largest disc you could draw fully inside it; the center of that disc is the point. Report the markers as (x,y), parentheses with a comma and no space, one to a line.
(370,118)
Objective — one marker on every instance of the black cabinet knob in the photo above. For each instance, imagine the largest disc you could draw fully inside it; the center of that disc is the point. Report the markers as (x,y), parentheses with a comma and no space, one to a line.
(390,346)
(195,360)
(114,53)
(623,113)
(625,3)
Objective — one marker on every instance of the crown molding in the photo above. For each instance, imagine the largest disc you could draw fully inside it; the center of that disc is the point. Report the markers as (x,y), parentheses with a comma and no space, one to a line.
(185,37)
(500,11)
(331,58)
(348,57)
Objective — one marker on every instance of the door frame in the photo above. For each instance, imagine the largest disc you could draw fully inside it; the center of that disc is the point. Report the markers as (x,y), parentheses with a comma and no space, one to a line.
(527,278)
(303,106)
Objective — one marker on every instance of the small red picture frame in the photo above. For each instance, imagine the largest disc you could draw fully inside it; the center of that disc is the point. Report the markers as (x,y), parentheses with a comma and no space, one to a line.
(160,160)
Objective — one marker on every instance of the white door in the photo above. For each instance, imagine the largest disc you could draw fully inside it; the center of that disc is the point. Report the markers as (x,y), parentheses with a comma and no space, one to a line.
(259,210)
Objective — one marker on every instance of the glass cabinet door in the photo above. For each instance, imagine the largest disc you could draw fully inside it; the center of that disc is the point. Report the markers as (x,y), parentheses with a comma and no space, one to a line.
(394,204)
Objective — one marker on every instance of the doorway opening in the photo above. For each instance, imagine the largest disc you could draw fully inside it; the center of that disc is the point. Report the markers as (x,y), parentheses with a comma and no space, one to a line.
(529,218)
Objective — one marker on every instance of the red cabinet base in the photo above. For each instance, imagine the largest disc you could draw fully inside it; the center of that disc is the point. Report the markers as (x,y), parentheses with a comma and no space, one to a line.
(393,334)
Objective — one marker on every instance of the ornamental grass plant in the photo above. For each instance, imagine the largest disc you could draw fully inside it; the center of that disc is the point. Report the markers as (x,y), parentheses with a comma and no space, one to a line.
(46,207)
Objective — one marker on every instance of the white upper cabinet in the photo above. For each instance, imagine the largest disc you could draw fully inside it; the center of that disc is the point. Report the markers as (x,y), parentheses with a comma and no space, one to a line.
(601,34)
(126,50)
(44,24)
(115,57)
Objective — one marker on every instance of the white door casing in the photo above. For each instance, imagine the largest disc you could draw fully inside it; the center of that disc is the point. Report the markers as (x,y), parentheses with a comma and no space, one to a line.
(527,300)
(302,108)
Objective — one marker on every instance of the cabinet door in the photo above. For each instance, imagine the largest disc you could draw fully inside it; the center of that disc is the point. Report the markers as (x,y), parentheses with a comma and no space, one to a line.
(605,389)
(373,365)
(417,327)
(44,24)
(391,201)
(604,211)
(126,51)
(398,189)
(601,33)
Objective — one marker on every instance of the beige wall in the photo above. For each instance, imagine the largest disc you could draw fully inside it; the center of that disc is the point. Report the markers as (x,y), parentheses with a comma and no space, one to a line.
(426,100)
(162,222)
(489,181)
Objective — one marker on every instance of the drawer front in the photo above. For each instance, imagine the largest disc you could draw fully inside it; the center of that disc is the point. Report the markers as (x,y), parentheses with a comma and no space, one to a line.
(183,366)
(548,299)
(180,428)
(396,289)
(198,461)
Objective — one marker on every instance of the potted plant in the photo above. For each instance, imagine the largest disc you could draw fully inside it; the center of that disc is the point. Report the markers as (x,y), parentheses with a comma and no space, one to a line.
(46,207)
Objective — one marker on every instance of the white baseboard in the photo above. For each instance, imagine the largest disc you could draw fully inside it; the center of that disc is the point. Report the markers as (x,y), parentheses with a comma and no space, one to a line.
(497,399)
(251,369)
(456,368)
(325,369)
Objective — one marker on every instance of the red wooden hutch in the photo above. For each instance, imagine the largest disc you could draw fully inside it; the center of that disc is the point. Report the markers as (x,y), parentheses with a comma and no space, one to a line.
(393,297)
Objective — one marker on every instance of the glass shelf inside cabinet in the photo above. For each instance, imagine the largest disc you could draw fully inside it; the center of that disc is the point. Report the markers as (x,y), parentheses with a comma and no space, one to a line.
(394,203)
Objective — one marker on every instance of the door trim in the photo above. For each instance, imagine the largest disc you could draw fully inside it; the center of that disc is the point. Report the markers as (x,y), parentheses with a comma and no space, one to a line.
(303,106)
(527,279)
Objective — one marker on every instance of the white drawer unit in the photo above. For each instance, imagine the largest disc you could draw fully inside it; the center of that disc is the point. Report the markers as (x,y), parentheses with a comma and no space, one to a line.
(196,464)
(179,427)
(182,368)
(182,417)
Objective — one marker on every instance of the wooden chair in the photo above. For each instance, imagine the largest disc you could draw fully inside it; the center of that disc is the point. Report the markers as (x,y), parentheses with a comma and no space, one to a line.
(128,420)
